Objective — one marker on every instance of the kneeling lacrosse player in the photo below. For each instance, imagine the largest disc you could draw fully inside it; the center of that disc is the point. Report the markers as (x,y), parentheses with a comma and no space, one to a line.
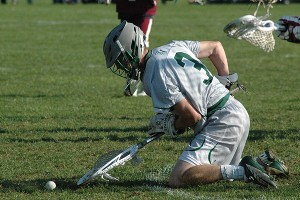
(291,33)
(186,95)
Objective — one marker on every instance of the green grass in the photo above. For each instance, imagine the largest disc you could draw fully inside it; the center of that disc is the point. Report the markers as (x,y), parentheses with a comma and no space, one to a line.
(60,108)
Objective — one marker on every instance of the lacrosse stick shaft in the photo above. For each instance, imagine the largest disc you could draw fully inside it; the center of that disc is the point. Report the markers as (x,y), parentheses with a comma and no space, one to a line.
(148,140)
(238,88)
(235,90)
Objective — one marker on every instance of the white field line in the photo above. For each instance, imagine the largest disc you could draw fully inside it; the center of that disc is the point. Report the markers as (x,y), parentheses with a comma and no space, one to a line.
(61,22)
(180,193)
(162,175)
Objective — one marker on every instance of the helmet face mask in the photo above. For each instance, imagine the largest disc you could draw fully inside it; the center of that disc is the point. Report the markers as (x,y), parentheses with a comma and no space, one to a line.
(126,66)
(121,66)
(123,49)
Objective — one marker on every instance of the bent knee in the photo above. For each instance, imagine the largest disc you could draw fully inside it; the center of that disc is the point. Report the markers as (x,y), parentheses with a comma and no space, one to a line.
(176,179)
(176,183)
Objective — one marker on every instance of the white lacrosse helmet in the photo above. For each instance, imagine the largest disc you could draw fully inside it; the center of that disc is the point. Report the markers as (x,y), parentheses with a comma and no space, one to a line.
(123,49)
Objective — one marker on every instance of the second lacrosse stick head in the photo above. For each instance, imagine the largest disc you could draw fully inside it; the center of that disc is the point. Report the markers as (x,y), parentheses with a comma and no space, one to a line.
(238,27)
(255,30)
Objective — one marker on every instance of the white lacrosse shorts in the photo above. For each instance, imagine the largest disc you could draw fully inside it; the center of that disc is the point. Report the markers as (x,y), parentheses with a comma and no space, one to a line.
(223,139)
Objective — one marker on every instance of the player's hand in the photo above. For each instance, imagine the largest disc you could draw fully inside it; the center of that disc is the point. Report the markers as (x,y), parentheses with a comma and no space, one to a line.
(163,123)
(292,32)
(229,80)
(199,125)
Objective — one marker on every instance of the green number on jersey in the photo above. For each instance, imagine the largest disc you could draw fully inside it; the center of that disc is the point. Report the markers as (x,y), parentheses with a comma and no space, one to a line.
(180,56)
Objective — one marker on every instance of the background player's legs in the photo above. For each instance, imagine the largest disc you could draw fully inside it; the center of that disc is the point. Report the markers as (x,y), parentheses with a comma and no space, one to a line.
(146,25)
(135,88)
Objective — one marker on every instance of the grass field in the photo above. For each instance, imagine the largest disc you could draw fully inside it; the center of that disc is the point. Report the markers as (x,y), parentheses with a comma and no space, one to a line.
(60,108)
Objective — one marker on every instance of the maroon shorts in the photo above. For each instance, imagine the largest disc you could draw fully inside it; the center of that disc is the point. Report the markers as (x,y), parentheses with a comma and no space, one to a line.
(142,22)
(138,12)
(136,7)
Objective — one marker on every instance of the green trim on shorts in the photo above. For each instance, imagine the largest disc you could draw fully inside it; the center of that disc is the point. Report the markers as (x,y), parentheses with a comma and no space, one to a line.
(196,149)
(210,152)
(217,106)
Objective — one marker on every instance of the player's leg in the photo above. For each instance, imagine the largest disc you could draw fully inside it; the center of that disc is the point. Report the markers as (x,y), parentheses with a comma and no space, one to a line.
(208,156)
(241,145)
(146,25)
(205,161)
(135,88)
(185,174)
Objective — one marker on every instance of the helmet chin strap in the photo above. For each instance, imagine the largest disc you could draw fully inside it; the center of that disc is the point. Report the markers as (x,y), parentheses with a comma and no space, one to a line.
(135,74)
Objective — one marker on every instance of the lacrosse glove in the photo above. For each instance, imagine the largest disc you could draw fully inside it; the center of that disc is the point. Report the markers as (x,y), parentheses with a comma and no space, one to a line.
(163,123)
(228,80)
(292,32)
(272,164)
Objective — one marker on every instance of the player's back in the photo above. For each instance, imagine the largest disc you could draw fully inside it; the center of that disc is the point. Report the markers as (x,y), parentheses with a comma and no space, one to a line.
(173,72)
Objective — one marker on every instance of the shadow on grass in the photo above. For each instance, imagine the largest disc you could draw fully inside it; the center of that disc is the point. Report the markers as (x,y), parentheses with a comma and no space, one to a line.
(33,186)
(62,185)
(99,129)
(111,137)
(81,129)
(36,185)
(115,135)
(41,95)
(122,185)
(291,134)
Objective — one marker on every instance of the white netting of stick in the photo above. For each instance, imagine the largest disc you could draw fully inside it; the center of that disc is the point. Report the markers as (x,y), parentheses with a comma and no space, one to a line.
(261,39)
(251,29)
(247,28)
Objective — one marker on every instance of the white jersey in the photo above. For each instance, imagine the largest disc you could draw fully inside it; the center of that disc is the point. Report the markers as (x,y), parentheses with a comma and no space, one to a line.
(173,73)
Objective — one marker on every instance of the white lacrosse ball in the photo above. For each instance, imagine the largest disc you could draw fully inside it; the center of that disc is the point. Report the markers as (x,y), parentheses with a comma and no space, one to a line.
(50,185)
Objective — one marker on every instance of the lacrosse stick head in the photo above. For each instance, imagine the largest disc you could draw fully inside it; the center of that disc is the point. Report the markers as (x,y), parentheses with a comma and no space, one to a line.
(115,158)
(255,30)
(106,162)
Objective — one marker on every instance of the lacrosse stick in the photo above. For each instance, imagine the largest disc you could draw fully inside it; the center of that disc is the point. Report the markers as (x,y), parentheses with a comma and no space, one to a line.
(239,87)
(114,158)
(255,30)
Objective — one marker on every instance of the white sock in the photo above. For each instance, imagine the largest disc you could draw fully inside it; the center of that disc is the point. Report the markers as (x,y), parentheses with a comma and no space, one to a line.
(233,172)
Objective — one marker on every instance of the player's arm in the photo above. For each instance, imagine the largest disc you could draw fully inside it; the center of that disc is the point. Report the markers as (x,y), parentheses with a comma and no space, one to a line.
(186,115)
(183,116)
(216,53)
